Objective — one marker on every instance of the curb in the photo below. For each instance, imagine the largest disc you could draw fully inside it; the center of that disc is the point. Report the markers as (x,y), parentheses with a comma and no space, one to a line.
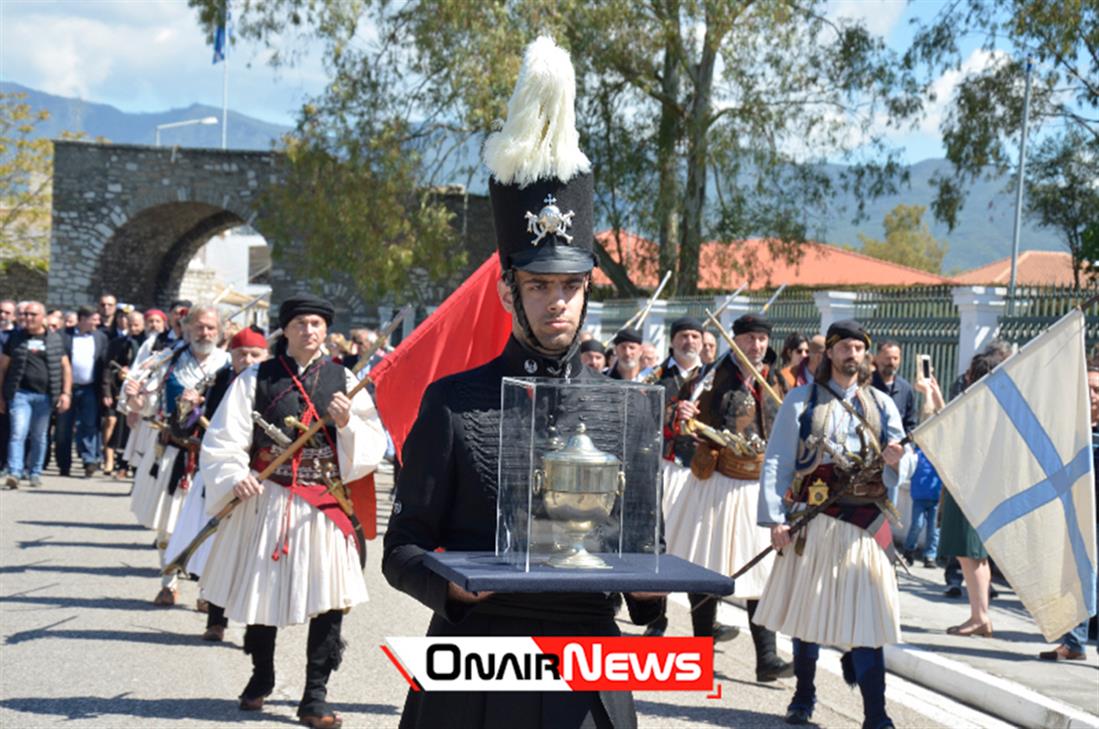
(1012,702)
(1008,700)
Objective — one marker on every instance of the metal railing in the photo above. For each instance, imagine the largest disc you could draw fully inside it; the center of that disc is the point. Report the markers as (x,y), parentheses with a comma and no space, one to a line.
(923,320)
(1036,308)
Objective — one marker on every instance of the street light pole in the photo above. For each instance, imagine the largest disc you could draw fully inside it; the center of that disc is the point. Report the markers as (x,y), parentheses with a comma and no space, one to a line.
(185,123)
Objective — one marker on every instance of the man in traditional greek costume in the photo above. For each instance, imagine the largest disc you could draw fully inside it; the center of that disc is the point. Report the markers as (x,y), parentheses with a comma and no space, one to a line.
(289,553)
(836,584)
(710,505)
(167,402)
(246,348)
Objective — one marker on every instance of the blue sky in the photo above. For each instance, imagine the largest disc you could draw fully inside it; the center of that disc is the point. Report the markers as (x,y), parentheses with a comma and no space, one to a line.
(150,55)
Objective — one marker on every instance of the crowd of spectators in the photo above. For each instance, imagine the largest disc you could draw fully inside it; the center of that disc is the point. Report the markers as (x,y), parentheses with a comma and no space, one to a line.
(61,374)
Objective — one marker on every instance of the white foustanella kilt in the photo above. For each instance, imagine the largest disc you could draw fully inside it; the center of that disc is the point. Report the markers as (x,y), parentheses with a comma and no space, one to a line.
(319,573)
(192,517)
(842,591)
(142,437)
(712,523)
(150,502)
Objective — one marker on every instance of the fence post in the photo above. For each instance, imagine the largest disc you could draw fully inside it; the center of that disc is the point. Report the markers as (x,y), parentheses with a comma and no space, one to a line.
(653,329)
(979,308)
(594,321)
(834,306)
(737,308)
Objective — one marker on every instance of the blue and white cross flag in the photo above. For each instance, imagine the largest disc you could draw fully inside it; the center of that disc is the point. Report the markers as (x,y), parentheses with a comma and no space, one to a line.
(1015,453)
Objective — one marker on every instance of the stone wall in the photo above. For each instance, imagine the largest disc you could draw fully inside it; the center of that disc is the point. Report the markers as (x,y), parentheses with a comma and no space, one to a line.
(128,218)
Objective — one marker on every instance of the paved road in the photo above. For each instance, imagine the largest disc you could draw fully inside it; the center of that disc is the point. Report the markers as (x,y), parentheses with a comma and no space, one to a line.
(83,646)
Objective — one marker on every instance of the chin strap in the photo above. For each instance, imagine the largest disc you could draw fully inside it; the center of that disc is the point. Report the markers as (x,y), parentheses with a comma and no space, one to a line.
(560,359)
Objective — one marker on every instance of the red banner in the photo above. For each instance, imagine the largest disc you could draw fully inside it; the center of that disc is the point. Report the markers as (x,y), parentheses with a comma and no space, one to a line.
(467,330)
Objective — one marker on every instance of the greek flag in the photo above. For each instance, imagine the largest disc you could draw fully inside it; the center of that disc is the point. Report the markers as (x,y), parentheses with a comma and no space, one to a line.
(221,37)
(1015,452)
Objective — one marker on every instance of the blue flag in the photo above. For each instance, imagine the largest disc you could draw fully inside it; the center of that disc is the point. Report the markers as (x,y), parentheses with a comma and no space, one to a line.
(221,38)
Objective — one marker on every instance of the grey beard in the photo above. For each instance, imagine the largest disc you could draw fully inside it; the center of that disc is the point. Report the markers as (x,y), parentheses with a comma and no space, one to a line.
(690,359)
(203,348)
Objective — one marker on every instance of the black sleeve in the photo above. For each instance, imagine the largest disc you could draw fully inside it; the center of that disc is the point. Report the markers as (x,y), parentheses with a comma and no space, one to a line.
(421,503)
(910,416)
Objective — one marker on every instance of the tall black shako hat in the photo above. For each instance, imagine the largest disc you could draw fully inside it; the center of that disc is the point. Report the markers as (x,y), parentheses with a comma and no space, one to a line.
(541,183)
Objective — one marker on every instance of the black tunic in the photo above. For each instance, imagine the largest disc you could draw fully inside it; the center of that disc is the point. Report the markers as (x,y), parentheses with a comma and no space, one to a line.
(446,497)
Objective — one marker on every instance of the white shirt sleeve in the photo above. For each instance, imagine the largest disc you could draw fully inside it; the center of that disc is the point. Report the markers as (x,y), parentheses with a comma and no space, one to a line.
(779,459)
(362,442)
(227,444)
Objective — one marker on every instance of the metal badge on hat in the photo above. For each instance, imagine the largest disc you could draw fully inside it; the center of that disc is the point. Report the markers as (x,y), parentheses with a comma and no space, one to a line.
(549,221)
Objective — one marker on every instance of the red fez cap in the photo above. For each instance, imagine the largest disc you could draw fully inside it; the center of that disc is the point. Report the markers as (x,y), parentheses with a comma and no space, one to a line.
(248,337)
(156,312)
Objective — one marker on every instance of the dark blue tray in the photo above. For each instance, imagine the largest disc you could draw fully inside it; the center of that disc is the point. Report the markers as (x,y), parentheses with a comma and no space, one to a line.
(479,571)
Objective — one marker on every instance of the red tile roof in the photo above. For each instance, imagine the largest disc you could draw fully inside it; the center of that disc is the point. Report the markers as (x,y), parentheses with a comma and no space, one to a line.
(1036,268)
(726,266)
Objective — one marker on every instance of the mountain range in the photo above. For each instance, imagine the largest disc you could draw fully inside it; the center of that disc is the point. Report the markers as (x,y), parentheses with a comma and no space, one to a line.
(983,233)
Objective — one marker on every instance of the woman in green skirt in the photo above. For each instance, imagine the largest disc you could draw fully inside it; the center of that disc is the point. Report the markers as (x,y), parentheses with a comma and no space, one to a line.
(958,538)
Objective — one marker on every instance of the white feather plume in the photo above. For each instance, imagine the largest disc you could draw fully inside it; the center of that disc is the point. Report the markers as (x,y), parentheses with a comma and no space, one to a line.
(539,139)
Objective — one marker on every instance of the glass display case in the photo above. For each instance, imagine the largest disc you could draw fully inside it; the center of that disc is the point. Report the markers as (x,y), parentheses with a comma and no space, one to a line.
(579,483)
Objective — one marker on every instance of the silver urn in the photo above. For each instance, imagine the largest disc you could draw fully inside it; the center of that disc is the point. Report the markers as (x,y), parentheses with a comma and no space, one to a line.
(578,485)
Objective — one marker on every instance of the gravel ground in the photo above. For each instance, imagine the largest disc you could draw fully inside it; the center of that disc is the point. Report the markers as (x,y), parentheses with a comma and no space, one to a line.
(83,645)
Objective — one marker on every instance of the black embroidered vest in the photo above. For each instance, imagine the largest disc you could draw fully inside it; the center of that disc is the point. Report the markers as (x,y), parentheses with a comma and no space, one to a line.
(278,397)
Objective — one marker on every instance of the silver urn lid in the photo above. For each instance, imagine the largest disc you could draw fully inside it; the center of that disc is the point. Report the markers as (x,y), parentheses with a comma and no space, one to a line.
(581,451)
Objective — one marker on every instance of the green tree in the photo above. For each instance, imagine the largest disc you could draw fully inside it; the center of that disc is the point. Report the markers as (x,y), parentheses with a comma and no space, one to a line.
(1063,191)
(981,126)
(703,118)
(908,240)
(25,184)
(1090,250)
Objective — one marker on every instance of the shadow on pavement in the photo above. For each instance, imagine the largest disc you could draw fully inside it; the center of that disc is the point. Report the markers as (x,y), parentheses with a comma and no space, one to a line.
(123,571)
(126,636)
(84,603)
(85,545)
(120,494)
(213,711)
(979,649)
(84,525)
(706,715)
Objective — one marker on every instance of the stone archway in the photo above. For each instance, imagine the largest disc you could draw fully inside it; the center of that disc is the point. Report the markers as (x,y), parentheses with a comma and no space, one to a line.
(128,218)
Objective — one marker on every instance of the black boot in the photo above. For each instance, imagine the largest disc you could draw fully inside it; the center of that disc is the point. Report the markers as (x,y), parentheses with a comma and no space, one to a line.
(324,651)
(259,642)
(769,667)
(216,623)
(869,669)
(800,710)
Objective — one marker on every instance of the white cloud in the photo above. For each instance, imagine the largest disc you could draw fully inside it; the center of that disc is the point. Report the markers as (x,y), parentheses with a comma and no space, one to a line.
(943,87)
(879,16)
(142,55)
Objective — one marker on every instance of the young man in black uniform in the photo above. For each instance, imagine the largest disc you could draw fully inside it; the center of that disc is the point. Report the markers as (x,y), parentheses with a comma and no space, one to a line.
(446,493)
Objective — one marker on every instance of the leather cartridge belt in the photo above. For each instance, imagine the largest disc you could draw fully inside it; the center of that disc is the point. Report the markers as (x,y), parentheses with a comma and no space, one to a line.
(166,438)
(310,468)
(725,461)
(826,479)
